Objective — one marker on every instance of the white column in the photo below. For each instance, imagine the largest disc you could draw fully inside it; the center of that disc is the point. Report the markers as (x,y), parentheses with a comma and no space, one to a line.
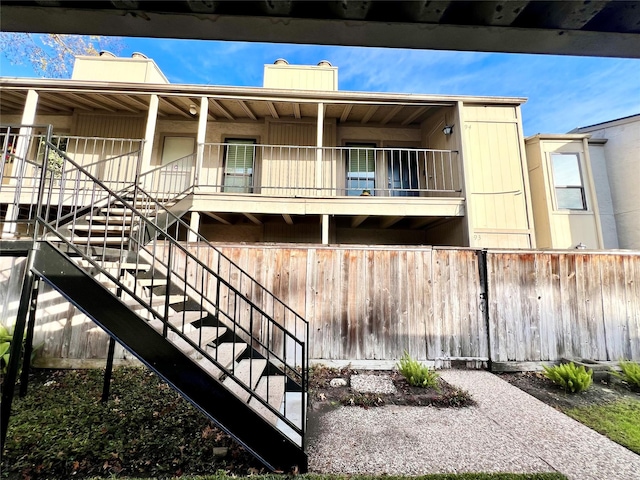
(21,150)
(202,135)
(195,227)
(325,229)
(319,143)
(149,134)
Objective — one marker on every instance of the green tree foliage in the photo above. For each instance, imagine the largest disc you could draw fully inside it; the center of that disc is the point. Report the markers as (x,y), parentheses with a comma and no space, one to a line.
(51,55)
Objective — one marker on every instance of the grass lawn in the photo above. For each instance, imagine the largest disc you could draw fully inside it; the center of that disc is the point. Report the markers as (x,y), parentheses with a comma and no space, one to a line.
(620,421)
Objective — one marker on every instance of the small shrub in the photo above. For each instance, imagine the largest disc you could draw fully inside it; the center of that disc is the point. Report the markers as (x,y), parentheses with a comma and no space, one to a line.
(571,378)
(417,375)
(630,373)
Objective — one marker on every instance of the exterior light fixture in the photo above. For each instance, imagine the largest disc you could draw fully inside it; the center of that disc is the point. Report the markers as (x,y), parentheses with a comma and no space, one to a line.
(581,246)
(192,109)
(447,130)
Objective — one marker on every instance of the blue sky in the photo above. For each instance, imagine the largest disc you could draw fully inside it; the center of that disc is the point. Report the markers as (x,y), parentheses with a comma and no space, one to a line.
(563,92)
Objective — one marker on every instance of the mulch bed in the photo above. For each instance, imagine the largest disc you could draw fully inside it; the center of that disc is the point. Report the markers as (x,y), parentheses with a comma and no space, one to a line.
(540,387)
(321,394)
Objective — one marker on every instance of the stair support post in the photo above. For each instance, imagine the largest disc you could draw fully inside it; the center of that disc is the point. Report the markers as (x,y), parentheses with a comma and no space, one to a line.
(28,341)
(106,386)
(16,349)
(165,321)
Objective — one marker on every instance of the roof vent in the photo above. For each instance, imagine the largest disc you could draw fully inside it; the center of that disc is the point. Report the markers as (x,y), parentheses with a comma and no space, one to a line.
(324,63)
(105,53)
(139,55)
(281,61)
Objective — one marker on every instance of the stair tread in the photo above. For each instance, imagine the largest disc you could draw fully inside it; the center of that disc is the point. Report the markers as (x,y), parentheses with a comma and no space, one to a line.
(94,240)
(115,265)
(275,385)
(201,336)
(147,282)
(248,371)
(225,354)
(187,316)
(155,301)
(97,227)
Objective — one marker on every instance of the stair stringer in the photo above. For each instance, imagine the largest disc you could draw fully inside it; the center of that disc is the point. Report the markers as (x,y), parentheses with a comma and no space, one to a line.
(206,393)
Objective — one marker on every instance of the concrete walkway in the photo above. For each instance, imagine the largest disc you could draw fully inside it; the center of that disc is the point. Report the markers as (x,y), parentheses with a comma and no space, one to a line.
(509,431)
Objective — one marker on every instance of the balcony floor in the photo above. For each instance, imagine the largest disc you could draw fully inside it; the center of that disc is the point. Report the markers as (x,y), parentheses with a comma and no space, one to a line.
(343,206)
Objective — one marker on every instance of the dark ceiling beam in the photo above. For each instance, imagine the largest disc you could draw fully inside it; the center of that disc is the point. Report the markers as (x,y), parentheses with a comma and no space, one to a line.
(502,13)
(598,28)
(568,15)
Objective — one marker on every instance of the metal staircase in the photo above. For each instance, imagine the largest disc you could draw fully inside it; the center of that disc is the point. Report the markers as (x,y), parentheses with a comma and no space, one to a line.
(217,336)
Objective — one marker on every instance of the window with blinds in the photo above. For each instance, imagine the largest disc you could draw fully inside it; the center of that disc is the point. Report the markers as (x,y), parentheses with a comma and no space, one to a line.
(361,169)
(239,163)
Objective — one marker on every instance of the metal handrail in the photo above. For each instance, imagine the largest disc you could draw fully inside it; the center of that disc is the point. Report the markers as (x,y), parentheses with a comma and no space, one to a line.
(65,228)
(171,180)
(294,170)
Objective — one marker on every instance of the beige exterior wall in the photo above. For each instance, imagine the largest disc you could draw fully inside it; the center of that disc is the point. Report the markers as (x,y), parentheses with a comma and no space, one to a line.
(606,211)
(561,228)
(622,152)
(297,167)
(496,188)
(432,137)
(108,126)
(116,69)
(61,123)
(301,77)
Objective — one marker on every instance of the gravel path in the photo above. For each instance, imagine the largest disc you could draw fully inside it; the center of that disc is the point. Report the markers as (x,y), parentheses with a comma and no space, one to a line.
(509,431)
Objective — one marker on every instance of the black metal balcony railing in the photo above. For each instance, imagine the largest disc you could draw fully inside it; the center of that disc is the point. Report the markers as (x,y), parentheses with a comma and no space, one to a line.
(114,161)
(329,171)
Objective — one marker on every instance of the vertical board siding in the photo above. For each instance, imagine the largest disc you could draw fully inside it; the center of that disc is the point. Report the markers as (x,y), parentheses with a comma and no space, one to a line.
(366,304)
(110,126)
(375,303)
(545,306)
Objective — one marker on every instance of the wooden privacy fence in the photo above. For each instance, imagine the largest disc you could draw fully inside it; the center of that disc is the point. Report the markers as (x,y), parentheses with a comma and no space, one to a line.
(548,305)
(373,303)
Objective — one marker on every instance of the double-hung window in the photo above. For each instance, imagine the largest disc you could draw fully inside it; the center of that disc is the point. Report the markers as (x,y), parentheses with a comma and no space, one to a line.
(361,169)
(568,182)
(239,164)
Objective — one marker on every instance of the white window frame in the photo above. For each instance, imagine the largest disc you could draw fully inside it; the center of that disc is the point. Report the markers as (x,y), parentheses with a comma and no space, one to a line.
(363,180)
(580,187)
(238,180)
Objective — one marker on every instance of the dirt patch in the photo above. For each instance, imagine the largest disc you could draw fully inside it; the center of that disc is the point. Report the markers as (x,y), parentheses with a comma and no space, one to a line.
(537,385)
(323,395)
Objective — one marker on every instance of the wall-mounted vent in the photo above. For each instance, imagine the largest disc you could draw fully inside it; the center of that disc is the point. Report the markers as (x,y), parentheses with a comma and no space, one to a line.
(324,63)
(105,53)
(139,55)
(281,61)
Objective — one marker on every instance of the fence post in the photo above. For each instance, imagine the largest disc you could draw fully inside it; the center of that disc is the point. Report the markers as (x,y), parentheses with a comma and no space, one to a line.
(484,297)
